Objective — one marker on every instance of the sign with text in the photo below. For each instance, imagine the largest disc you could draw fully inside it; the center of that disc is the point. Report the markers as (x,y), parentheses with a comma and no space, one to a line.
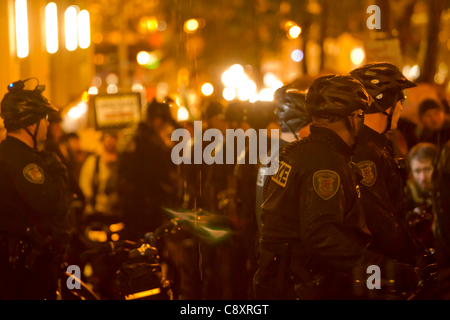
(117,111)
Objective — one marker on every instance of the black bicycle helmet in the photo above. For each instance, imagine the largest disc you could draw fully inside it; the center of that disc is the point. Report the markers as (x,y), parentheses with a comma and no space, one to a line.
(291,108)
(336,96)
(385,83)
(378,77)
(21,108)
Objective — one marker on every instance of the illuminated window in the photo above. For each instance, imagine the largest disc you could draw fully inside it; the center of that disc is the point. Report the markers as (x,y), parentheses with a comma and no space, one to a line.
(84,30)
(71,27)
(22,28)
(51,27)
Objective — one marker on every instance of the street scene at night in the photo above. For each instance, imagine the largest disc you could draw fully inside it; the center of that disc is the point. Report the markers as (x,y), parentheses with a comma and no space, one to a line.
(225,150)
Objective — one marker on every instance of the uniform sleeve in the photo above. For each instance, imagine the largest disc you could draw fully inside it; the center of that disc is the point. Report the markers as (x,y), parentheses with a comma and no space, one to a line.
(322,216)
(39,189)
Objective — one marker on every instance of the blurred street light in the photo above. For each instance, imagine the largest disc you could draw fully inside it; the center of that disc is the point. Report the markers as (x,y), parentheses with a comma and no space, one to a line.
(182,114)
(51,27)
(143,58)
(207,89)
(358,55)
(191,26)
(22,28)
(71,28)
(84,29)
(229,94)
(294,32)
(297,55)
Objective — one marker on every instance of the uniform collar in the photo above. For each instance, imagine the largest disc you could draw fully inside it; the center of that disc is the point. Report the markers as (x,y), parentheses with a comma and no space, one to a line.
(367,134)
(334,139)
(11,141)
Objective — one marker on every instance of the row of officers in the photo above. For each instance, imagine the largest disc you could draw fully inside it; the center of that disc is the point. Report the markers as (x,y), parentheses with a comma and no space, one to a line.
(333,206)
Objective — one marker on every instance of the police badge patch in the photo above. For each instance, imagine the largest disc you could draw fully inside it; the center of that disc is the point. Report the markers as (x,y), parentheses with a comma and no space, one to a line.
(326,183)
(369,170)
(34,173)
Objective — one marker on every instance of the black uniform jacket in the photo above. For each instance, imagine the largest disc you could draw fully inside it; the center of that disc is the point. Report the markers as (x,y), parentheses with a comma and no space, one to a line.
(314,201)
(383,197)
(31,195)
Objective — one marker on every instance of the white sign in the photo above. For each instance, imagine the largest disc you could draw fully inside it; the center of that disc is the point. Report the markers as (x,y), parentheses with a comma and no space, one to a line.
(117,110)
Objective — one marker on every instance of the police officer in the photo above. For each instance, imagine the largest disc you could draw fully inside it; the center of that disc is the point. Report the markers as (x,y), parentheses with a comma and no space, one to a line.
(383,184)
(294,123)
(314,235)
(33,199)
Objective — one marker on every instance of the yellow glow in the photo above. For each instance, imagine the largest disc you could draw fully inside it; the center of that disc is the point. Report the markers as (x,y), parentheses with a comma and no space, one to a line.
(85,96)
(266,94)
(358,55)
(207,89)
(191,25)
(93,91)
(71,28)
(288,24)
(51,27)
(143,58)
(116,227)
(229,94)
(143,294)
(294,32)
(22,28)
(115,237)
(183,114)
(152,24)
(84,30)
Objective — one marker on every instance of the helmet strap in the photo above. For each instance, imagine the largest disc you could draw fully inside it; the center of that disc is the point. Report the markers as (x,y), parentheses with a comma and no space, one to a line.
(390,115)
(34,135)
(291,130)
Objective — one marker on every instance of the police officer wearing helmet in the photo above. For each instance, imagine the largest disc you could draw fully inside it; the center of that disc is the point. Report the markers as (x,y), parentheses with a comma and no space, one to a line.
(314,237)
(383,184)
(294,123)
(33,199)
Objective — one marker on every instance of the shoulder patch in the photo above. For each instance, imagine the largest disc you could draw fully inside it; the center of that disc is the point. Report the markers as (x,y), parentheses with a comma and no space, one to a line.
(326,183)
(34,173)
(282,175)
(369,170)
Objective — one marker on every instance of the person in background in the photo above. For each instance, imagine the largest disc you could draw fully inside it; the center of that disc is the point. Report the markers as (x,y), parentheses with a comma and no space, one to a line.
(147,177)
(96,174)
(72,153)
(436,125)
(55,135)
(422,160)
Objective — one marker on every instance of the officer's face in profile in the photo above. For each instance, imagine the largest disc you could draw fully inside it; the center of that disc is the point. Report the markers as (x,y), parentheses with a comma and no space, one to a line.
(42,133)
(422,172)
(396,116)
